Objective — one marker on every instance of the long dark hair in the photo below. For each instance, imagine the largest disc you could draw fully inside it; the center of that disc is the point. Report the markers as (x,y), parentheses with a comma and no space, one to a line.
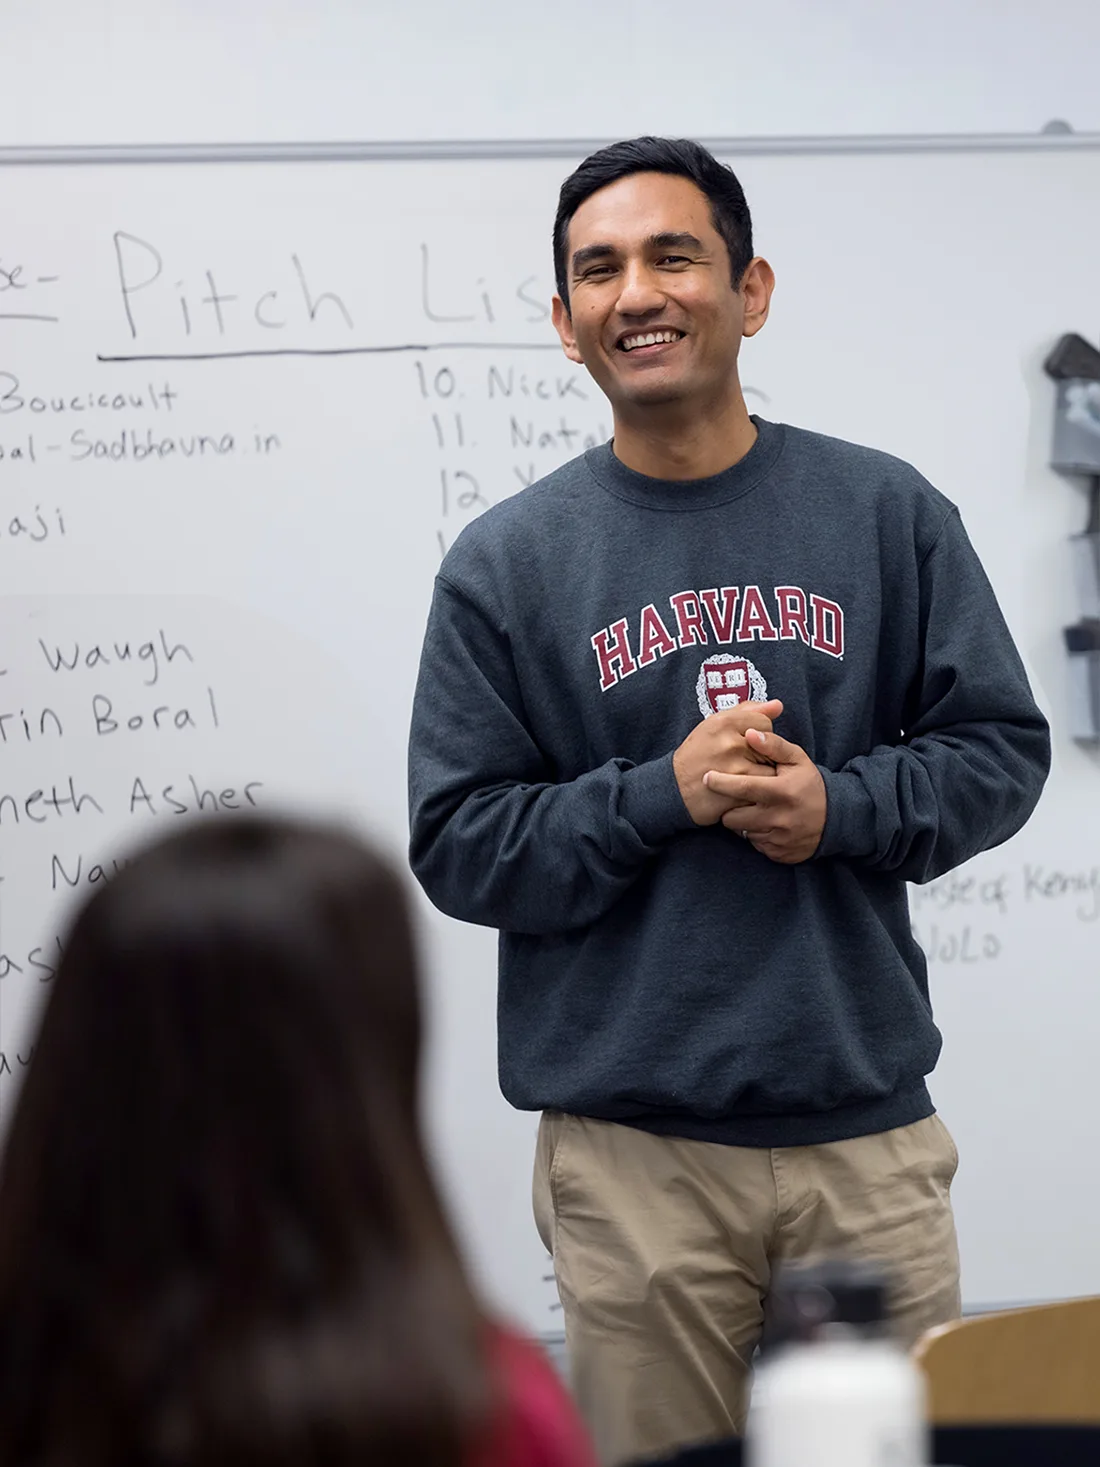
(219,1239)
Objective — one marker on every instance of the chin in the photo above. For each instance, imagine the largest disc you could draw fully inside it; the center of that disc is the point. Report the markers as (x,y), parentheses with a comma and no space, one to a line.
(653,394)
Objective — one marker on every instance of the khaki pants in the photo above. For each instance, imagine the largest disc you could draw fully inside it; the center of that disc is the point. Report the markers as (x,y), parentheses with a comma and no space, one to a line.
(663,1251)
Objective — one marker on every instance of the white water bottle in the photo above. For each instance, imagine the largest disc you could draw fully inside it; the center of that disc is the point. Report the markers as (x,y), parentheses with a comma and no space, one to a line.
(833,1389)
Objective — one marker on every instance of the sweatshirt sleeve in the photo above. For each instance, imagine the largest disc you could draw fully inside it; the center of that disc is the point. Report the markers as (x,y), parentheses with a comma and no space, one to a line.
(969,769)
(494,838)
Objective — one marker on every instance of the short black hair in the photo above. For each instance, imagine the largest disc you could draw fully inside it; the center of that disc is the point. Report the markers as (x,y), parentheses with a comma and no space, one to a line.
(728,209)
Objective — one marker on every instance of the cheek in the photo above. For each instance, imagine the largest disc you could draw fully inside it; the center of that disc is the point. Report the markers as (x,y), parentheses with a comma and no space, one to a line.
(720,327)
(586,329)
(719,313)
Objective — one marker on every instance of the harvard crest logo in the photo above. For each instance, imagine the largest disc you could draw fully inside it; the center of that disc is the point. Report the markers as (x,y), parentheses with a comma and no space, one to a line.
(725,681)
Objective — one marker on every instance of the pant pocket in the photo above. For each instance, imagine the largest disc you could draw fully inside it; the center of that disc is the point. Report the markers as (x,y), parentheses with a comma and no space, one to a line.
(948,1143)
(552,1124)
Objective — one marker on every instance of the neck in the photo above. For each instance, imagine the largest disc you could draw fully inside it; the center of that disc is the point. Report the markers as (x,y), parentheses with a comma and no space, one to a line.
(668,441)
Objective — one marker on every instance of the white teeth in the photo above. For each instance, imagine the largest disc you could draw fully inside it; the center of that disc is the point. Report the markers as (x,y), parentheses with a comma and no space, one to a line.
(650,339)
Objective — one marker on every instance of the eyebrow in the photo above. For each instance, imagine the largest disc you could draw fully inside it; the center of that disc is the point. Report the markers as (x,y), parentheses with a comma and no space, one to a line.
(669,240)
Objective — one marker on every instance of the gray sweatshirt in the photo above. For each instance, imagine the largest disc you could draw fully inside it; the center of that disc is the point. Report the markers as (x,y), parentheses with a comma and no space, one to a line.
(665,975)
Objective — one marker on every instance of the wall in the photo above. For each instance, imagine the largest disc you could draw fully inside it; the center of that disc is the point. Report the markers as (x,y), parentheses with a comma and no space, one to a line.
(113,71)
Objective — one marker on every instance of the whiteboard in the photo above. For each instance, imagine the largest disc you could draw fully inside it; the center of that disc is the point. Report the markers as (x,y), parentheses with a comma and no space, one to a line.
(244,408)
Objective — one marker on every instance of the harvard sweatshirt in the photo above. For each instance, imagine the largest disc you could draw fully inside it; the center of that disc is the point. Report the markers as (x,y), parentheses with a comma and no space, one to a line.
(665,975)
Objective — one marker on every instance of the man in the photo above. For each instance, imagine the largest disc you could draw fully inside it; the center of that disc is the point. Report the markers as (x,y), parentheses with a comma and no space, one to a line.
(708,980)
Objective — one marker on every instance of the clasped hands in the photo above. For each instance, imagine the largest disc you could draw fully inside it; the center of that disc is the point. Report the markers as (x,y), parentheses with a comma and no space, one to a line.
(732,768)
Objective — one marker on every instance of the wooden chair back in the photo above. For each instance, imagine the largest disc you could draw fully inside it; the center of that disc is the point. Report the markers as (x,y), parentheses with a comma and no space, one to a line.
(1017,1366)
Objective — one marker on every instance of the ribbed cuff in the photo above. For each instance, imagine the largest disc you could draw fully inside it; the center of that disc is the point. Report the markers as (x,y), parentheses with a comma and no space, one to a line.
(849,817)
(652,803)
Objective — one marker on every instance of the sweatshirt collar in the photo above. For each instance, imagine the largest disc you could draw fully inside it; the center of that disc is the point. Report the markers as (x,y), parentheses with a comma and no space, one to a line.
(689,494)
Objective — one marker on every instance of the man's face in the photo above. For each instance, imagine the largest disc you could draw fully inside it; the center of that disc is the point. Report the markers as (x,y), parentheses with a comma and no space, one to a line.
(644,259)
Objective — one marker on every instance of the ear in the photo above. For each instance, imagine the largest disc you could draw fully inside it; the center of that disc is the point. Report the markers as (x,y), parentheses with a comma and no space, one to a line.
(563,325)
(757,285)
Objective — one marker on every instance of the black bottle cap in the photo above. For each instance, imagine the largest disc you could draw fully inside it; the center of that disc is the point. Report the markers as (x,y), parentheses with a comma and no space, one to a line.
(807,1301)
(1084,637)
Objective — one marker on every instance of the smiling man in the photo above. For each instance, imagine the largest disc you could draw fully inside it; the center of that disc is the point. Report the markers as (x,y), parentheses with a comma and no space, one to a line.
(708,981)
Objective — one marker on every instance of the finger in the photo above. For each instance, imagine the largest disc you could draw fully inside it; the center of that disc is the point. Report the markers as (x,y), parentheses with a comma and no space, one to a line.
(771,709)
(739,822)
(765,846)
(744,789)
(777,749)
(762,840)
(771,843)
(747,821)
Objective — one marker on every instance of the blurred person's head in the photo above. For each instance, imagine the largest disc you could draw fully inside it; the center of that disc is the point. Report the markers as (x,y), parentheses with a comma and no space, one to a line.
(219,1238)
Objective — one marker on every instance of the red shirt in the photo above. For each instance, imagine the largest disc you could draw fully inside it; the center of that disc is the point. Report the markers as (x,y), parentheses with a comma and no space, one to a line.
(538,1424)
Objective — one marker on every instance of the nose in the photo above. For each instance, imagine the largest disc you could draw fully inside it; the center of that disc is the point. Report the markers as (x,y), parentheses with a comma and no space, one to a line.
(640,294)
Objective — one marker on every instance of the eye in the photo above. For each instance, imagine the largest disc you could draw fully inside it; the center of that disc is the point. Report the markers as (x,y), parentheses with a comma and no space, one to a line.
(674,260)
(595,271)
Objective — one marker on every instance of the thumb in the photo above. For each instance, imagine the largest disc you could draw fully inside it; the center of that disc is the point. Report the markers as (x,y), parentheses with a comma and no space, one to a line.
(778,750)
(771,709)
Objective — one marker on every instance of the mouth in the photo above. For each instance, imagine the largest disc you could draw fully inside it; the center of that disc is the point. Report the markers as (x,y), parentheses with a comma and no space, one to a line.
(648,343)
